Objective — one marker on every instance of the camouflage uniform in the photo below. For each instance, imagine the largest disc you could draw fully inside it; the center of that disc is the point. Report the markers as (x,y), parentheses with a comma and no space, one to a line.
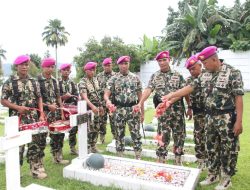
(103,78)
(125,88)
(50,91)
(198,107)
(220,89)
(92,89)
(68,86)
(173,118)
(25,92)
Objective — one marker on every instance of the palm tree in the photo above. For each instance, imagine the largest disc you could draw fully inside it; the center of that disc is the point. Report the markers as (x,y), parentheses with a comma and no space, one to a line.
(54,34)
(2,56)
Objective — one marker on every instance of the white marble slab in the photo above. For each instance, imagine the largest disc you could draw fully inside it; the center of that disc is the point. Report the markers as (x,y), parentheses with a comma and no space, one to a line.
(97,177)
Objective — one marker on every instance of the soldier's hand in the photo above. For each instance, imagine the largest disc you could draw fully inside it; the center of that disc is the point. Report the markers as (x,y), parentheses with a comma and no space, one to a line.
(42,117)
(167,97)
(95,109)
(238,129)
(111,107)
(52,107)
(189,114)
(137,108)
(67,95)
(22,109)
(62,117)
(101,111)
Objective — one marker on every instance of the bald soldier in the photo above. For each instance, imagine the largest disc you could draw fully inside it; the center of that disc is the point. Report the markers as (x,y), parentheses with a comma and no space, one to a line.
(223,89)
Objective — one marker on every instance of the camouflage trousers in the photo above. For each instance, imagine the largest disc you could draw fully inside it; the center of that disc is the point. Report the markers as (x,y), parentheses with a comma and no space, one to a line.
(56,142)
(93,130)
(122,116)
(103,124)
(72,136)
(199,136)
(35,148)
(176,124)
(222,145)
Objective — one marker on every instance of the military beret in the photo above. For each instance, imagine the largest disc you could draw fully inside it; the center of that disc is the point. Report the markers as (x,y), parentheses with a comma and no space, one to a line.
(191,61)
(161,55)
(21,59)
(89,66)
(64,66)
(207,52)
(107,61)
(123,59)
(48,62)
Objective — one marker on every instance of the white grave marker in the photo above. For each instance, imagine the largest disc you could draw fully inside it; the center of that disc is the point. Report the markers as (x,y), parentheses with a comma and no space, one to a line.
(10,145)
(116,170)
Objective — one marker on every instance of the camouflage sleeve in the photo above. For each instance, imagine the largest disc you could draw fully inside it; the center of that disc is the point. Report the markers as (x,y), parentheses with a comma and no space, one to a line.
(151,83)
(195,83)
(75,92)
(139,85)
(188,81)
(110,84)
(57,90)
(237,83)
(182,82)
(82,87)
(6,90)
(38,90)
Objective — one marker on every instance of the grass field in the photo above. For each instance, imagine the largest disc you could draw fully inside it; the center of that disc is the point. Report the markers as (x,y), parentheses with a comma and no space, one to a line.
(55,180)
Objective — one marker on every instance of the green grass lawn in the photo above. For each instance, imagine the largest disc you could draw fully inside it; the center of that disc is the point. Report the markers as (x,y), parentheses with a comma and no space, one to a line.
(56,181)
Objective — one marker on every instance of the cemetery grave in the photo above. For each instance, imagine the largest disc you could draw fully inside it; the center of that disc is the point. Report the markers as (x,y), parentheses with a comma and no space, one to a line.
(9,144)
(127,173)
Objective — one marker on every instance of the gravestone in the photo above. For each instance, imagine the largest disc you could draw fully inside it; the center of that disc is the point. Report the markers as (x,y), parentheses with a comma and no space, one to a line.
(10,145)
(127,173)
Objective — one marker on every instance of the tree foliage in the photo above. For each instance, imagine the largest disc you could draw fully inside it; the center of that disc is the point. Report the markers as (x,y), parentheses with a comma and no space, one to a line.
(107,47)
(54,34)
(149,48)
(199,23)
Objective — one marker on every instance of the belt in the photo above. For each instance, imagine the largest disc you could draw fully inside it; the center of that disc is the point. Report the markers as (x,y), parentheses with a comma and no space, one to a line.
(218,112)
(119,104)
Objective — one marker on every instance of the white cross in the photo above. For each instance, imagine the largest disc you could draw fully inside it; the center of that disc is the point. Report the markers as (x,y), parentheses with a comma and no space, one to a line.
(82,128)
(10,144)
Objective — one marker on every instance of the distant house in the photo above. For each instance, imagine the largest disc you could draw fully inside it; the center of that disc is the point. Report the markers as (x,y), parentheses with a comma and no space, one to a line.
(240,60)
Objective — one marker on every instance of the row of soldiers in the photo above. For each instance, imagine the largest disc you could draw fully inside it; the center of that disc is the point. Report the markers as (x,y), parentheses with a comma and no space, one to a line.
(214,92)
(217,104)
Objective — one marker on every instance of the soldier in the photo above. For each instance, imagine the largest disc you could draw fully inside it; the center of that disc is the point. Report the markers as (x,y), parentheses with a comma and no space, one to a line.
(164,81)
(90,91)
(126,89)
(103,77)
(51,102)
(223,89)
(20,93)
(197,106)
(69,95)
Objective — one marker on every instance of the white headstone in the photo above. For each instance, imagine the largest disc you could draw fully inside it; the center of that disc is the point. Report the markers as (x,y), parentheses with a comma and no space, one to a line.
(10,145)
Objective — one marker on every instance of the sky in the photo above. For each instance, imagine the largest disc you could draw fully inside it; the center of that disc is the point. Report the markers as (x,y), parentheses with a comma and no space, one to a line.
(22,23)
